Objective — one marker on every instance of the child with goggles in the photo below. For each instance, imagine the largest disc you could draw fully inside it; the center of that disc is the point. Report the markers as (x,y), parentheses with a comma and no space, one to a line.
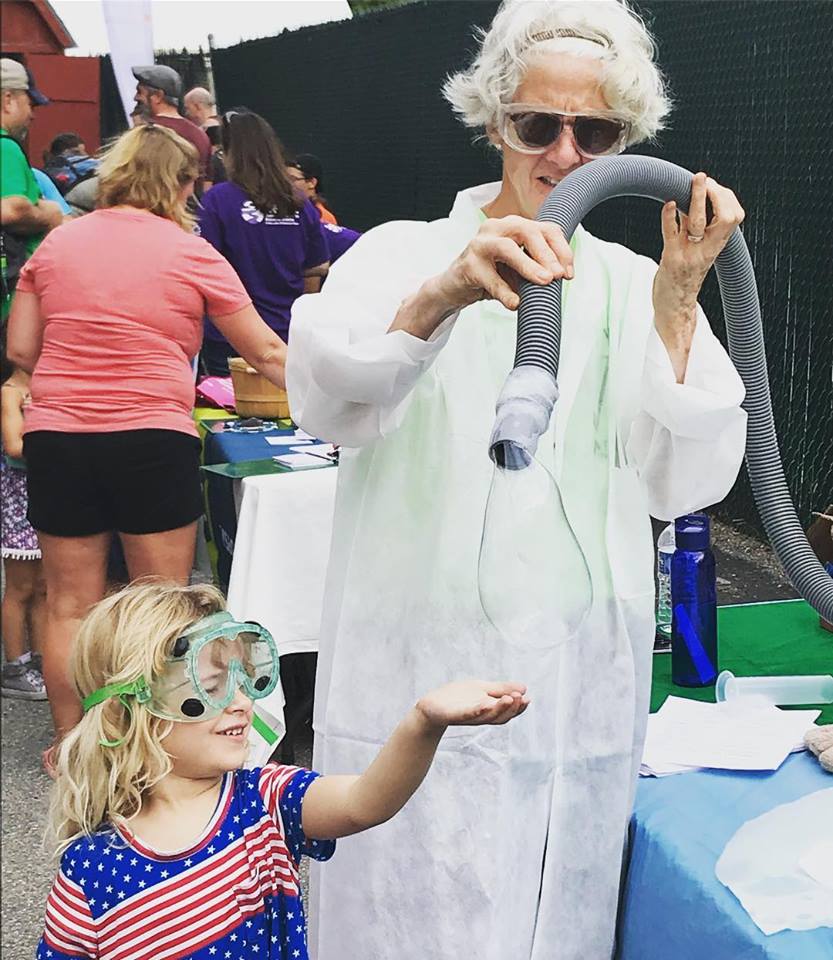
(168,847)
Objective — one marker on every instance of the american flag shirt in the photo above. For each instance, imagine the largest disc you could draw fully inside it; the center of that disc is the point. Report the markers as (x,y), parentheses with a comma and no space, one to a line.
(235,893)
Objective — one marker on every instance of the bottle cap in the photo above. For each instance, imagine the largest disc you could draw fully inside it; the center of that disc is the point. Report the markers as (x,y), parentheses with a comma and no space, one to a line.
(724,688)
(691,532)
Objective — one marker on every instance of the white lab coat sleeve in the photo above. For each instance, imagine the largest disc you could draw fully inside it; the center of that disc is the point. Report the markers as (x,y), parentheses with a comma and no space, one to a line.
(347,378)
(689,438)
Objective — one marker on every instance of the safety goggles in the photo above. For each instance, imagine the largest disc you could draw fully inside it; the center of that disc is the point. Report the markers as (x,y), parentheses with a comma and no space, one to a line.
(533,130)
(209,663)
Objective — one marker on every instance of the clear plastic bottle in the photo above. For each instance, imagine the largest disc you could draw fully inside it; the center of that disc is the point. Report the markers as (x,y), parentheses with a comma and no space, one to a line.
(665,550)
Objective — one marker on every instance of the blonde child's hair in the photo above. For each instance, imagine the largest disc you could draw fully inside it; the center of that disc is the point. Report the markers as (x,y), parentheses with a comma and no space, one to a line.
(147,167)
(125,636)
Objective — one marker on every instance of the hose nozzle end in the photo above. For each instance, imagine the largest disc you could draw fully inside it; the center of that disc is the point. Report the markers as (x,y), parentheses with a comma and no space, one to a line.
(509,456)
(523,412)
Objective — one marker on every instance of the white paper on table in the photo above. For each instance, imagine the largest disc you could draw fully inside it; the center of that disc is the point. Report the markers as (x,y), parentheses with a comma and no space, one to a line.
(817,862)
(323,450)
(285,441)
(743,734)
(298,460)
(303,435)
(666,769)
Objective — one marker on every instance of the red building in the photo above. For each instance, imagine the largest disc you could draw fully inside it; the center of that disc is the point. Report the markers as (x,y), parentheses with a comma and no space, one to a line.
(31,31)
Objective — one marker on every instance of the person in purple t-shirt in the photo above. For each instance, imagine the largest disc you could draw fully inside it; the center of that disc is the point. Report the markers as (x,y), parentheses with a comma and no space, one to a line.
(269,233)
(339,239)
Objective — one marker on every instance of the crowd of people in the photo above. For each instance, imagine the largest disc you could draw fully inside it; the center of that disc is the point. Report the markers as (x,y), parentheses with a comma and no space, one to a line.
(132,203)
(197,239)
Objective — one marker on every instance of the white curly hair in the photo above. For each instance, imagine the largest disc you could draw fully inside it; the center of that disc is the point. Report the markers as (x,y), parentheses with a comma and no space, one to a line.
(606,29)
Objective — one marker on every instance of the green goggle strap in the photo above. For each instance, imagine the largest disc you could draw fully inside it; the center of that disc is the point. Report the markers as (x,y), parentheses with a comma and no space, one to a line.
(136,688)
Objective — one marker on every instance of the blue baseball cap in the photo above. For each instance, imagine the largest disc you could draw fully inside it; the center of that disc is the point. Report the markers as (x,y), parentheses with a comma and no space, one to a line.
(14,76)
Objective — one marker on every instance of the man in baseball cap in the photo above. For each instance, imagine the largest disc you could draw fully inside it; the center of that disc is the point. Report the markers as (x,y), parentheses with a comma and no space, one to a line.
(158,94)
(26,216)
(14,76)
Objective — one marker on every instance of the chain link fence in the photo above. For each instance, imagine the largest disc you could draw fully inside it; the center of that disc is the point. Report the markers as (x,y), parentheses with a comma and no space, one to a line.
(754,108)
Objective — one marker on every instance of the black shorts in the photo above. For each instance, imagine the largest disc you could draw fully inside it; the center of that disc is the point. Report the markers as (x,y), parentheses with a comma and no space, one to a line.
(130,481)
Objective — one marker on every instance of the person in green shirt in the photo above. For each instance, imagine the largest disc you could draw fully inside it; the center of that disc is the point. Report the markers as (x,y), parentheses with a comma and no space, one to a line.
(24,213)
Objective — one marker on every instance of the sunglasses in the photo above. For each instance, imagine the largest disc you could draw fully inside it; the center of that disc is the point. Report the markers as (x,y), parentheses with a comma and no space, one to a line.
(529,129)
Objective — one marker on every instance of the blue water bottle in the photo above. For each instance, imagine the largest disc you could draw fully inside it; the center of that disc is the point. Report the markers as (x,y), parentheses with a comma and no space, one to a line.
(694,604)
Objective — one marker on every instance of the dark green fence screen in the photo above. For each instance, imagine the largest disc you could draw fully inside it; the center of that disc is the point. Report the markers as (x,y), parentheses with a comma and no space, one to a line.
(754,107)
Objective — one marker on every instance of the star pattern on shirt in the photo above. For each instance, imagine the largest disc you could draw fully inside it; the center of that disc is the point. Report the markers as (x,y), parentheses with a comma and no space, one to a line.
(271,929)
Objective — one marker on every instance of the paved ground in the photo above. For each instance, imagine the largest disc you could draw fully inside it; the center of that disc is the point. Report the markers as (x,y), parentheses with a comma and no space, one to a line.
(746,572)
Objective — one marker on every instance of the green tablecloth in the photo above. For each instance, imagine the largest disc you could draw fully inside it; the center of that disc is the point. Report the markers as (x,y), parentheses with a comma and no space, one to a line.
(759,639)
(211,413)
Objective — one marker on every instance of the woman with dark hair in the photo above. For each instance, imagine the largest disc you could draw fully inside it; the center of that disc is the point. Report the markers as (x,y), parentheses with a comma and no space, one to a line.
(264,227)
(216,167)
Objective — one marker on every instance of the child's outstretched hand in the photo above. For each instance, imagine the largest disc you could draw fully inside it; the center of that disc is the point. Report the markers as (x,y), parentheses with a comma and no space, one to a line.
(473,702)
(336,806)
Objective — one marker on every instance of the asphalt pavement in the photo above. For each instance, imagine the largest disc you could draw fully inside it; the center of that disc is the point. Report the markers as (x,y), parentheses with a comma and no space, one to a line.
(27,868)
(746,572)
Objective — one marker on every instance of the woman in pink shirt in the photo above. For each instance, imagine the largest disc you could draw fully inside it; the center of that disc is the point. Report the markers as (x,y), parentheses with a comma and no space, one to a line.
(108,317)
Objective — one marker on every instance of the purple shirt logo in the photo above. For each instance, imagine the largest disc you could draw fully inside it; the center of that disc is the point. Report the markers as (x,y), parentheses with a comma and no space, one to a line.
(250,213)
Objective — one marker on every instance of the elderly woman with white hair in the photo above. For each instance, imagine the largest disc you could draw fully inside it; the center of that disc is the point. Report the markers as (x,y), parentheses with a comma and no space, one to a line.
(514,847)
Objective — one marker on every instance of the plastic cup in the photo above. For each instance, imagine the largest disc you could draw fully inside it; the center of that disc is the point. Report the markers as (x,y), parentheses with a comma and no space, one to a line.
(782,691)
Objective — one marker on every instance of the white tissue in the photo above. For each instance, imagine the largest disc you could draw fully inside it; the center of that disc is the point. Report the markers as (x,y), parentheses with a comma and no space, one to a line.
(765,865)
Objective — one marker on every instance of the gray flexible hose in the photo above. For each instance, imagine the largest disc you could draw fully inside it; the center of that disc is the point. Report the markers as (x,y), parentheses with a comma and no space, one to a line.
(529,394)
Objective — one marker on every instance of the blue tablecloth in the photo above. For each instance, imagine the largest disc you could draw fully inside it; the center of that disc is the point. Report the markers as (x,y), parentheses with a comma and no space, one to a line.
(228,446)
(674,905)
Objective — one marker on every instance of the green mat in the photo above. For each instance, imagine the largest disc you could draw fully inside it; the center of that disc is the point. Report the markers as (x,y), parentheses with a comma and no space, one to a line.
(257,468)
(759,639)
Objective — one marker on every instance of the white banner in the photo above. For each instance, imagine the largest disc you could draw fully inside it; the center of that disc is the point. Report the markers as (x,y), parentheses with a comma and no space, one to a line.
(130,35)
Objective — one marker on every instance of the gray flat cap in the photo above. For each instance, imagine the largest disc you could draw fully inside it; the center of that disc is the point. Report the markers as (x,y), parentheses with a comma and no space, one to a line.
(160,77)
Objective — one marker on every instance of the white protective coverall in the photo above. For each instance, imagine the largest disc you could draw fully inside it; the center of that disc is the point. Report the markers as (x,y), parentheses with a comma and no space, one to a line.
(512,847)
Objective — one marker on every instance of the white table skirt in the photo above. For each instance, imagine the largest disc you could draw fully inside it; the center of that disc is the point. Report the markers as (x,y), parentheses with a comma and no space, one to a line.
(279,567)
(280,555)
